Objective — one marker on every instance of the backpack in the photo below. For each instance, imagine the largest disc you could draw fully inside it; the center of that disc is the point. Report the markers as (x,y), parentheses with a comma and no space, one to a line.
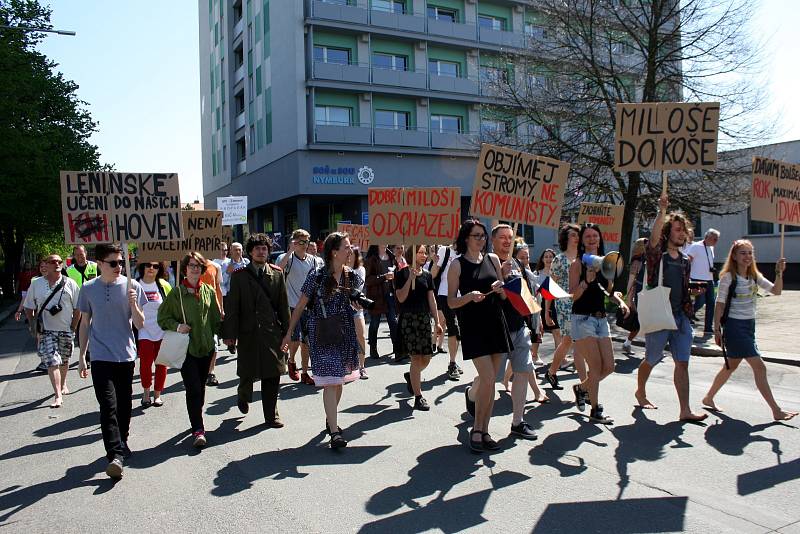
(725,311)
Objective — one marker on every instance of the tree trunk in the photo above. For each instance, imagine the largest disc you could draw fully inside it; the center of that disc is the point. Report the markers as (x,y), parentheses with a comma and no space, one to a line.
(631,200)
(12,251)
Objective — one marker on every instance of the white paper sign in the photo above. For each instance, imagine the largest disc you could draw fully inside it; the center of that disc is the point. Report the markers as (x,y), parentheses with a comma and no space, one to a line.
(234,210)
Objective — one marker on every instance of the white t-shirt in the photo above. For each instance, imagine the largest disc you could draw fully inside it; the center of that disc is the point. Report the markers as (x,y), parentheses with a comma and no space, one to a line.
(743,303)
(67,297)
(702,261)
(296,271)
(151,330)
(441,253)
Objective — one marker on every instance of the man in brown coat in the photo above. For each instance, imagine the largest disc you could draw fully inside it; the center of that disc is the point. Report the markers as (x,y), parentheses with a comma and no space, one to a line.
(256,319)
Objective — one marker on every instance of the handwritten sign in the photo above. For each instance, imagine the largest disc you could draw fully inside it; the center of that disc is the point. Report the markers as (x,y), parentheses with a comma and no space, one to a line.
(607,216)
(106,207)
(666,136)
(202,232)
(359,234)
(775,193)
(234,210)
(518,187)
(411,215)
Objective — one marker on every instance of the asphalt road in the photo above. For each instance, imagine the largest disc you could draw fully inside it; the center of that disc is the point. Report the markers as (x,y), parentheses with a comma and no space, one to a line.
(403,471)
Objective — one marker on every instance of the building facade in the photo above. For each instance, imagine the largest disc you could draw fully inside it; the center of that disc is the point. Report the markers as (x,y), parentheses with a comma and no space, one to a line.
(308,103)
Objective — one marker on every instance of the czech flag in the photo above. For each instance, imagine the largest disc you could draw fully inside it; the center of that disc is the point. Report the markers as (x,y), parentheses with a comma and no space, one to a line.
(552,291)
(520,296)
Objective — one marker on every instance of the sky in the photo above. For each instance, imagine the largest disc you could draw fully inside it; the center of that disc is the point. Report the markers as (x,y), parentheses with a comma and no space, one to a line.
(137,65)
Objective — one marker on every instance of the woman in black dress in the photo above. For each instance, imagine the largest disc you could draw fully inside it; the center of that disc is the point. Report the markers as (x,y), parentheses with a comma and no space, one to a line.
(477,276)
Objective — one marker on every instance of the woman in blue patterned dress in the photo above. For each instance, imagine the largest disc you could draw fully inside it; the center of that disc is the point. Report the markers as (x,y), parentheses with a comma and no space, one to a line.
(333,363)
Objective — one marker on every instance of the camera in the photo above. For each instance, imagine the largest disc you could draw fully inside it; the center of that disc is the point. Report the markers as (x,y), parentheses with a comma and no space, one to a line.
(360,298)
(55,310)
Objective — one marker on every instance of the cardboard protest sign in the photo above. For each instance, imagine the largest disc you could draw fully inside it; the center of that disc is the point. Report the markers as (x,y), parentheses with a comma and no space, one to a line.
(775,193)
(234,210)
(202,232)
(359,234)
(107,207)
(430,215)
(666,136)
(607,216)
(518,187)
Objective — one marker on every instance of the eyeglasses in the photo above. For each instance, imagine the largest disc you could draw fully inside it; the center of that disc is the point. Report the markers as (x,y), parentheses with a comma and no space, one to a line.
(302,241)
(55,262)
(479,237)
(113,263)
(151,266)
(194,266)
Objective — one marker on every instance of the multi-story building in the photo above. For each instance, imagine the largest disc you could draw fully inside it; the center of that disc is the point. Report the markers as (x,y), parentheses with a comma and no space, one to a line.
(307,103)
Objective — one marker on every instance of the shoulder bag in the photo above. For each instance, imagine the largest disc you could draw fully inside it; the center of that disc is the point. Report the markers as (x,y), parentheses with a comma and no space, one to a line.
(654,309)
(174,345)
(329,328)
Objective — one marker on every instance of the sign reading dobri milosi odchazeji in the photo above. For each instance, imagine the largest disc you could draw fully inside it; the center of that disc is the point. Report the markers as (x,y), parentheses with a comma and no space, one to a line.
(607,216)
(775,192)
(518,187)
(430,215)
(108,207)
(666,136)
(202,232)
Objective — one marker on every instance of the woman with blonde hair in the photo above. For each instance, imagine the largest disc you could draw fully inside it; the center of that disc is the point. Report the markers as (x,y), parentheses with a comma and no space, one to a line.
(735,321)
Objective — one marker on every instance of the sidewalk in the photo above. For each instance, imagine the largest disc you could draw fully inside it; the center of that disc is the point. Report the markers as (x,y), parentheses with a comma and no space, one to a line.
(775,318)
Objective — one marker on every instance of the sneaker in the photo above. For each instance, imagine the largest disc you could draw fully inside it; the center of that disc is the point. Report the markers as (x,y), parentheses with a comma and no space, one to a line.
(293,374)
(421,404)
(306,379)
(538,362)
(114,469)
(440,350)
(199,439)
(407,377)
(523,430)
(626,348)
(362,374)
(580,397)
(596,416)
(460,370)
(452,372)
(470,403)
(212,380)
(553,381)
(274,423)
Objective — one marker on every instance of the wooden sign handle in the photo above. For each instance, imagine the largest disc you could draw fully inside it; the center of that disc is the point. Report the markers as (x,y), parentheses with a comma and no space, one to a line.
(126,255)
(664,181)
(783,226)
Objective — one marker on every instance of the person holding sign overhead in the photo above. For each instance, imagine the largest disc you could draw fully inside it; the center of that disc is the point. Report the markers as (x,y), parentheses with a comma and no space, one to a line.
(476,274)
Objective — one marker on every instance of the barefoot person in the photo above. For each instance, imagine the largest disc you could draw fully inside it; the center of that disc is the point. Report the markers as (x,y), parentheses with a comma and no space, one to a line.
(664,252)
(737,330)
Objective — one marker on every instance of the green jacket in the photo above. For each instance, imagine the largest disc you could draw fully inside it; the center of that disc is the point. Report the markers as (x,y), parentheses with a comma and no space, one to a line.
(89,273)
(202,315)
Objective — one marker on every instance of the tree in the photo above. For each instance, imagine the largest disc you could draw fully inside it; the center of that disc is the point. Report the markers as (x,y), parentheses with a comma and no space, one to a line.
(585,56)
(44,127)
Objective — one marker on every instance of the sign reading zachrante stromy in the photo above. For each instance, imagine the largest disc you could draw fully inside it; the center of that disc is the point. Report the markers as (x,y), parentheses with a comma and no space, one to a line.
(107,207)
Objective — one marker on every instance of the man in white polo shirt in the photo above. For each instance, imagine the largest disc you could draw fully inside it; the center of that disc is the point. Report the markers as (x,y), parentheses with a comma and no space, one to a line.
(702,256)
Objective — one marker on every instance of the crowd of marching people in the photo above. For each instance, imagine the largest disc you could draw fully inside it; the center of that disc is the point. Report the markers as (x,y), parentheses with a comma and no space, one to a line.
(484,294)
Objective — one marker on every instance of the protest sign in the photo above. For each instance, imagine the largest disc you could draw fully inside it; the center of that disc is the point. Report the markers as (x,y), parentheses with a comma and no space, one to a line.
(607,216)
(518,187)
(430,215)
(666,136)
(106,207)
(775,193)
(359,234)
(234,210)
(202,232)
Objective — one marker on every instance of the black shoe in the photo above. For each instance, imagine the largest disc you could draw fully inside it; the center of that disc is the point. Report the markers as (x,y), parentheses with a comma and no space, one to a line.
(399,357)
(580,397)
(421,404)
(212,380)
(596,416)
(337,441)
(126,451)
(407,376)
(488,443)
(476,446)
(440,350)
(523,430)
(373,352)
(553,381)
(243,406)
(470,403)
(452,372)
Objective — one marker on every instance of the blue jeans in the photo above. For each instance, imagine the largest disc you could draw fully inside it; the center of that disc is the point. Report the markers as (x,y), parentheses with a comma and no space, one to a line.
(708,297)
(391,318)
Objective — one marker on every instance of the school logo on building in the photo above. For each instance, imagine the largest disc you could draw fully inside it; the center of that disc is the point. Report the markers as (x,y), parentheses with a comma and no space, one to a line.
(366,175)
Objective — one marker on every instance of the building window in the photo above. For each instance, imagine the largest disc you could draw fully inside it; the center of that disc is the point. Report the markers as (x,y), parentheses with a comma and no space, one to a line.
(392,120)
(538,80)
(445,124)
(493,76)
(337,2)
(241,154)
(250,87)
(332,116)
(238,56)
(238,102)
(326,54)
(252,139)
(249,36)
(491,23)
(390,6)
(443,68)
(494,128)
(237,11)
(758,227)
(224,157)
(440,13)
(536,31)
(389,61)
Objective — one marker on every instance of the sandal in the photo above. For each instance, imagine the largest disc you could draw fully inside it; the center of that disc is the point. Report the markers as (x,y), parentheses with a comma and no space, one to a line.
(158,402)
(337,441)
(476,445)
(488,443)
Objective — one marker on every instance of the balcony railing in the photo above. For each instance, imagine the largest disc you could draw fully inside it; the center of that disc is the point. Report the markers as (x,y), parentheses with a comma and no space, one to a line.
(240,121)
(241,167)
(367,134)
(343,72)
(238,75)
(238,28)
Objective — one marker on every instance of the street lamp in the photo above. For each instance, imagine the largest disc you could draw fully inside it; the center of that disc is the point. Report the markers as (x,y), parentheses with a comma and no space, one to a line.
(34,29)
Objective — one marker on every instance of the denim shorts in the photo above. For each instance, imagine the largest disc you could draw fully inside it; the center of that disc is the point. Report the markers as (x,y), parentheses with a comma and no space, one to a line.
(520,355)
(584,326)
(300,332)
(680,342)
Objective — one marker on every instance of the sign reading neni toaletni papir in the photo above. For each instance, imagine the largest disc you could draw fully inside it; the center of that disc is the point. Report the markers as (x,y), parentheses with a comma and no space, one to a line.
(107,207)
(666,136)
(518,187)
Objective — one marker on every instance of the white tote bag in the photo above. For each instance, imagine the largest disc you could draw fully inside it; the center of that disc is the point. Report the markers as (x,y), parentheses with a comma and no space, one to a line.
(655,311)
(174,345)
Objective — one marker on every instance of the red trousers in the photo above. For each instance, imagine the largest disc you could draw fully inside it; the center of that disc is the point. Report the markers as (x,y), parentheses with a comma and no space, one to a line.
(148,350)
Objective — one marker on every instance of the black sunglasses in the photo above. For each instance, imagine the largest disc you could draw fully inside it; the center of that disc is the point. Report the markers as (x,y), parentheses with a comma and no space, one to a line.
(152,265)
(113,263)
